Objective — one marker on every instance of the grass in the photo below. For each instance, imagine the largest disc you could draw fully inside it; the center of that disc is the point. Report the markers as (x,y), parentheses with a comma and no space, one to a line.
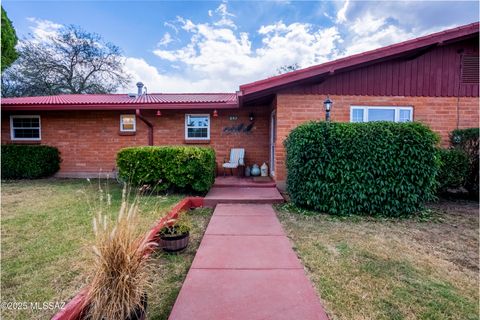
(170,269)
(365,268)
(46,234)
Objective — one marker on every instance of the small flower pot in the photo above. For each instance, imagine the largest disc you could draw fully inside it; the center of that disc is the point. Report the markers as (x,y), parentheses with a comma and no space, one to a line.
(174,243)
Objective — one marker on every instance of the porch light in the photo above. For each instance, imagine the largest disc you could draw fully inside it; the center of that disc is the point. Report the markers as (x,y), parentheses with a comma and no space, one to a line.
(158,114)
(328,106)
(215,113)
(251,116)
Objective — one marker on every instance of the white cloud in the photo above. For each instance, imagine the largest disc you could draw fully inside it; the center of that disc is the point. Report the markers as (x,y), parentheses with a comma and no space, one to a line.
(157,82)
(187,24)
(215,56)
(43,30)
(278,26)
(367,24)
(385,36)
(166,39)
(228,58)
(171,26)
(342,13)
(375,27)
(218,56)
(225,19)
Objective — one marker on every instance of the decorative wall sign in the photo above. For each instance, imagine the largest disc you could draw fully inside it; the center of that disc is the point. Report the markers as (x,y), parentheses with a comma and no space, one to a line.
(241,128)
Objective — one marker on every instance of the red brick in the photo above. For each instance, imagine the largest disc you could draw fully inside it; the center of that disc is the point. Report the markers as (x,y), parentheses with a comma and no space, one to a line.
(89,140)
(439,113)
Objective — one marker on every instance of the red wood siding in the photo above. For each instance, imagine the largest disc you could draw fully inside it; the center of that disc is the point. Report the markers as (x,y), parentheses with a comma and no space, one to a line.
(435,73)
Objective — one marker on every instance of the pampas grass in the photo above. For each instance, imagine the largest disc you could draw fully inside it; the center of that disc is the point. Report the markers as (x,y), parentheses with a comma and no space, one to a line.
(120,274)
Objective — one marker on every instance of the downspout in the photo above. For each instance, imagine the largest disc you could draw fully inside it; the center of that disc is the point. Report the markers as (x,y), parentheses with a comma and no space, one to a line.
(149,125)
(461,52)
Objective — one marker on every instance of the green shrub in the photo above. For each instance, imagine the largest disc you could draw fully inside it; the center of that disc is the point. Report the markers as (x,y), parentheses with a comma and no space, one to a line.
(376,168)
(468,141)
(29,162)
(168,167)
(453,169)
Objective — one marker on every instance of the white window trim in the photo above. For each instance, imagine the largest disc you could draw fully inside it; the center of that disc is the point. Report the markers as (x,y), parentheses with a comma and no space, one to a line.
(186,126)
(396,108)
(134,123)
(12,135)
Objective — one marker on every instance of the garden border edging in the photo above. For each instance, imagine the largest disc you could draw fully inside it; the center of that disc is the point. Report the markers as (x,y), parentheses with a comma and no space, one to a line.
(72,310)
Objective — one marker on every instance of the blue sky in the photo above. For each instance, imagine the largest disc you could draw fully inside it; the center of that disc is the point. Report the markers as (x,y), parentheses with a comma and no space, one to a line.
(213,46)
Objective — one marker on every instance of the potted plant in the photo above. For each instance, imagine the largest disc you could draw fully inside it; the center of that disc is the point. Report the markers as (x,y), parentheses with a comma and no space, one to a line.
(120,271)
(175,235)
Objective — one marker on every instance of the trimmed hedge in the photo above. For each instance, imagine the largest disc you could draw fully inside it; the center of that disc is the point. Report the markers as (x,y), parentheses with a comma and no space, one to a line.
(168,167)
(29,162)
(453,169)
(468,141)
(375,168)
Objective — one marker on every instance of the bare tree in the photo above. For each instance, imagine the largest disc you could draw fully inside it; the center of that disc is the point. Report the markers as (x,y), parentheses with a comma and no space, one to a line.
(71,61)
(288,68)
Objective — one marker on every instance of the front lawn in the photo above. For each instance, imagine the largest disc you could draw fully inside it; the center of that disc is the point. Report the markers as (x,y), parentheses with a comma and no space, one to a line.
(392,269)
(45,233)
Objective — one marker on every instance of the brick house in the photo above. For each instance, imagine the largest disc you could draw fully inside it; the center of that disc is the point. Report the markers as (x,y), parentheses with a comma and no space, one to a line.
(432,79)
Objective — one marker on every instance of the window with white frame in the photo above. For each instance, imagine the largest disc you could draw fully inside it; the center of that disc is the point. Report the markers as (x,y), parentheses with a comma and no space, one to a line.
(127,123)
(383,113)
(25,127)
(197,126)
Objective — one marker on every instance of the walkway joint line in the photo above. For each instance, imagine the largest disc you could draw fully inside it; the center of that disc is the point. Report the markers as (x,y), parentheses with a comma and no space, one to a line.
(245,268)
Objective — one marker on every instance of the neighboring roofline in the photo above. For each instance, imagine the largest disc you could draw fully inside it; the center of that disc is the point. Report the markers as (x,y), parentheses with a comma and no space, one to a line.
(331,67)
(118,106)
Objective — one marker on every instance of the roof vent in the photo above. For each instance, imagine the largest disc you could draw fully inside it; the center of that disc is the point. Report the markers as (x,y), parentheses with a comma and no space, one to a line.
(140,88)
(132,95)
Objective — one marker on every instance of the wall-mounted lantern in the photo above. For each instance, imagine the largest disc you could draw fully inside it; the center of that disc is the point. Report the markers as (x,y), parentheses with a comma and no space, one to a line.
(251,116)
(159,113)
(215,113)
(328,106)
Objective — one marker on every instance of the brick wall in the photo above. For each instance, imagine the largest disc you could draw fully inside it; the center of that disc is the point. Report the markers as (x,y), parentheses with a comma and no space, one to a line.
(440,113)
(89,141)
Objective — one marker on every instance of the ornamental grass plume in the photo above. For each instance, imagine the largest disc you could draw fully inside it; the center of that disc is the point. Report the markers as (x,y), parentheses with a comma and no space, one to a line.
(120,274)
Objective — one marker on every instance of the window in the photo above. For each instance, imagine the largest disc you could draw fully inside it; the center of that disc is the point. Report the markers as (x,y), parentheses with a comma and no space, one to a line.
(197,126)
(127,123)
(25,128)
(366,114)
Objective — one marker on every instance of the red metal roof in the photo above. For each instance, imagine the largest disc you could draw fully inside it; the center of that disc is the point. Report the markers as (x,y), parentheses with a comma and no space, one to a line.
(360,59)
(122,101)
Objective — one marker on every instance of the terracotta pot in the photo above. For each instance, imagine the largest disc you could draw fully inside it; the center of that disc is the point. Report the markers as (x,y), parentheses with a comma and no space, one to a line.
(175,243)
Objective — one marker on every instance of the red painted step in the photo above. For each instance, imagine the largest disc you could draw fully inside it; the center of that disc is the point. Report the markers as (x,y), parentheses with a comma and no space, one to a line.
(246,182)
(242,195)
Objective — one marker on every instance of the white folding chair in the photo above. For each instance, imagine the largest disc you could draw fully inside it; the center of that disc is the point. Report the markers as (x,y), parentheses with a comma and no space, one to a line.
(236,159)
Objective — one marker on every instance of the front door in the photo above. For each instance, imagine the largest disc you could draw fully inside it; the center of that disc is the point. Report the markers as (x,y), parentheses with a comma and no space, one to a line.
(273,137)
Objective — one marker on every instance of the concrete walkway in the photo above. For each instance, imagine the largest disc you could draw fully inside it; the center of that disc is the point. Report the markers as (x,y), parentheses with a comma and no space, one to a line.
(246,269)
